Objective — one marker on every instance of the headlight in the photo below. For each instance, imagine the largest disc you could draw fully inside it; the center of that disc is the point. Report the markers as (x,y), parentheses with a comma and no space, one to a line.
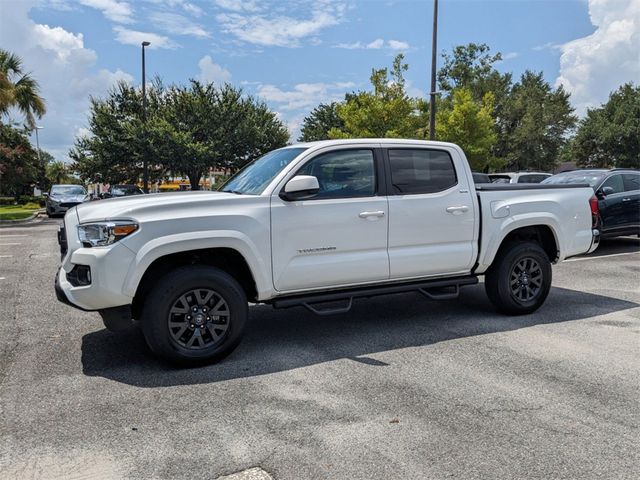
(103,234)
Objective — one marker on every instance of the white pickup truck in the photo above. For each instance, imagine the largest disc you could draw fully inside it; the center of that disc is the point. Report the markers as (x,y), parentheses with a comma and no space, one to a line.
(315,225)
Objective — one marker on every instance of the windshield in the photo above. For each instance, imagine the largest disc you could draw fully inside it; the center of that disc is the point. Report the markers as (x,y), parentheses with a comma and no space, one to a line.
(254,178)
(68,190)
(592,177)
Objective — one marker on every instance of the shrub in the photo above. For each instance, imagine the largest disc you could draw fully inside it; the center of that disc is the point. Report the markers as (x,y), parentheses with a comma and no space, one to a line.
(7,201)
(24,199)
(31,205)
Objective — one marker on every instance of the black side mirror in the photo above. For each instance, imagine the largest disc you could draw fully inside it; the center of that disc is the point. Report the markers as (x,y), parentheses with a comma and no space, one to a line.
(604,191)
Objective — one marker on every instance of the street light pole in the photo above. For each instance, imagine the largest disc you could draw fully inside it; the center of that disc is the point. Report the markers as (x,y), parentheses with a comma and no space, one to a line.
(145,163)
(38,142)
(432,94)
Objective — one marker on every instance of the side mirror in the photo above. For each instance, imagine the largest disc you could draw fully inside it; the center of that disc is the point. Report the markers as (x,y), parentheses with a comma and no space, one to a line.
(606,191)
(300,187)
(45,194)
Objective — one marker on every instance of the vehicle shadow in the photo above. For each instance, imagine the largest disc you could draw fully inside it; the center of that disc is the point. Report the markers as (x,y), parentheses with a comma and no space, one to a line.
(612,246)
(280,340)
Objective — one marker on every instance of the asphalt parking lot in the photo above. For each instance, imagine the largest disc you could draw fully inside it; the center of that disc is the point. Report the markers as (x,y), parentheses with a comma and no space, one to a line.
(400,388)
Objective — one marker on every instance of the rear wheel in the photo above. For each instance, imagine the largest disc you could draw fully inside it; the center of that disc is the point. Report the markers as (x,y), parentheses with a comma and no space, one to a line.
(519,279)
(194,315)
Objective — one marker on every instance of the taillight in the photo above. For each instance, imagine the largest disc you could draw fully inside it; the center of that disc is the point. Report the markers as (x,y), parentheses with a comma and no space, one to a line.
(595,211)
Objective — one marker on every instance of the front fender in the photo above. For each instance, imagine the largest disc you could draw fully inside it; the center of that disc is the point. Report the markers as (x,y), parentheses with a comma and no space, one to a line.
(182,242)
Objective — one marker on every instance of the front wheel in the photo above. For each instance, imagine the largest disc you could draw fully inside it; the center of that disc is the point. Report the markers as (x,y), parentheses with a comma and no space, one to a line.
(194,315)
(519,279)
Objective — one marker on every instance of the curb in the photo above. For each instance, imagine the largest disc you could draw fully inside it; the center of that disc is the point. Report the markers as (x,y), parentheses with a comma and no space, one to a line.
(22,220)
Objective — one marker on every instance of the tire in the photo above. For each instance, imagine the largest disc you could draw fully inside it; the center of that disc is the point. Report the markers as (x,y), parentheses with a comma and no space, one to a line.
(519,279)
(180,308)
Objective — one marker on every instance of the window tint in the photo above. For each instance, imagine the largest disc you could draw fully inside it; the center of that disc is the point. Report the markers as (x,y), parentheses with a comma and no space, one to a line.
(615,182)
(531,178)
(344,173)
(631,181)
(421,171)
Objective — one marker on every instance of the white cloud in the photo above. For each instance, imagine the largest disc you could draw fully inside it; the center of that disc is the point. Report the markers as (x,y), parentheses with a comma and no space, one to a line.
(212,72)
(135,37)
(398,45)
(239,5)
(304,95)
(114,10)
(592,66)
(177,24)
(376,44)
(281,30)
(510,56)
(63,66)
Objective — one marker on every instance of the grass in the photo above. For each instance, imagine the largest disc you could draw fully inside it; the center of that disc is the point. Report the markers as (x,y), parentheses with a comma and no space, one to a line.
(17,212)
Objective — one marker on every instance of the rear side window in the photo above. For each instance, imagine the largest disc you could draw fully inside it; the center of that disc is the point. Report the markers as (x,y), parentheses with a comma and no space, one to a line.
(615,182)
(421,171)
(631,181)
(343,174)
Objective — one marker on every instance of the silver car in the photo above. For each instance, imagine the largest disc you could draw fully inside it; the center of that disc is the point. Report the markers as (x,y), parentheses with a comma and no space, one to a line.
(62,197)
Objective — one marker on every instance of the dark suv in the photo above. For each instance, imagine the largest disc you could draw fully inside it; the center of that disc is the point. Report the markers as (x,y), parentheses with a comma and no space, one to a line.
(616,203)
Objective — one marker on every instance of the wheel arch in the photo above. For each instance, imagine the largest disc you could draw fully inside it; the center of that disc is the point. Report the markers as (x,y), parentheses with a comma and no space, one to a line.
(229,260)
(543,234)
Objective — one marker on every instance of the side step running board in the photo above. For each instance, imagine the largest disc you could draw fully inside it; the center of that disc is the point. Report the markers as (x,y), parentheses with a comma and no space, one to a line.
(439,289)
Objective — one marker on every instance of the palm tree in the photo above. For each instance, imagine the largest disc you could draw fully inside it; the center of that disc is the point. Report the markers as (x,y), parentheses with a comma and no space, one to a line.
(57,172)
(19,89)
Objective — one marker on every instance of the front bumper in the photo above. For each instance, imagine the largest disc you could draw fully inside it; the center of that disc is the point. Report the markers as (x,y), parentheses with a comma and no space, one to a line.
(108,266)
(54,208)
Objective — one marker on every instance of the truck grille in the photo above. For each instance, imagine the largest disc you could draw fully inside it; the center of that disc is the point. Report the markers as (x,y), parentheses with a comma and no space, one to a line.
(62,241)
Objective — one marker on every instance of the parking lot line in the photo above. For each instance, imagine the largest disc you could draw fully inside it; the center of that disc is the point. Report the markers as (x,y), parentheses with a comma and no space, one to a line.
(6,256)
(7,236)
(601,256)
(8,244)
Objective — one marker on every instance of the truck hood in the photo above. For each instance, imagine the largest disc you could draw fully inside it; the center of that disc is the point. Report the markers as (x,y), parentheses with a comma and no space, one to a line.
(131,207)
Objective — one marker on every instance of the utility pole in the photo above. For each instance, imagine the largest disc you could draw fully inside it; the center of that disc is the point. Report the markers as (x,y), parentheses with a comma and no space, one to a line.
(145,162)
(432,94)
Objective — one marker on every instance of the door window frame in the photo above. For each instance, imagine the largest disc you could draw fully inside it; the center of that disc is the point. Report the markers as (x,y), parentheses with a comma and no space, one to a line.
(387,169)
(378,172)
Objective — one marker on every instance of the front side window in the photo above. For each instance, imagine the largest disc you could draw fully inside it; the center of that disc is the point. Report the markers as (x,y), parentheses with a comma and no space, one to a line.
(421,171)
(615,182)
(343,174)
(631,182)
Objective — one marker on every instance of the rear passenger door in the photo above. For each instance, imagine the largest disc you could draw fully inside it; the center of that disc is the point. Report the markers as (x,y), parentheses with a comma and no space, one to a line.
(431,213)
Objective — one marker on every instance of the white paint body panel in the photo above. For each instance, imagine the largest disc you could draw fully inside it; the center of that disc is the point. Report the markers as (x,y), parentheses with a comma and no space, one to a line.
(289,245)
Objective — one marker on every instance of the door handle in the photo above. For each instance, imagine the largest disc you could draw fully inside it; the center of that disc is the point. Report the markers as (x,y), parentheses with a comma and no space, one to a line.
(378,213)
(626,199)
(457,210)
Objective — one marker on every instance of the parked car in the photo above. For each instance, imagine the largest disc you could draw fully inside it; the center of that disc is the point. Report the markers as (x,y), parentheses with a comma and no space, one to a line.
(313,223)
(63,197)
(616,201)
(518,177)
(479,177)
(122,191)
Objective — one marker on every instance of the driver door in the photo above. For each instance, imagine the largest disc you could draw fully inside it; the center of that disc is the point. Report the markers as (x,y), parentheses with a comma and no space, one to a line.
(339,236)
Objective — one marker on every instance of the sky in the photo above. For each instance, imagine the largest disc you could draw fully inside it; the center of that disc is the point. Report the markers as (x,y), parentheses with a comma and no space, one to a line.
(296,54)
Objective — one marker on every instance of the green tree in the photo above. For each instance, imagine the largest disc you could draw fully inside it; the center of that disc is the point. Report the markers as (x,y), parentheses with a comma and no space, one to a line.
(57,172)
(609,136)
(469,124)
(19,90)
(189,129)
(534,124)
(18,162)
(472,67)
(387,111)
(317,124)
(115,149)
